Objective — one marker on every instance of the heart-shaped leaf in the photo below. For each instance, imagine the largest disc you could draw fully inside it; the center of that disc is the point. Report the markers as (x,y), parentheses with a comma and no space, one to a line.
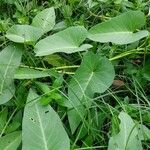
(24,34)
(45,19)
(95,75)
(121,29)
(42,127)
(10,58)
(67,41)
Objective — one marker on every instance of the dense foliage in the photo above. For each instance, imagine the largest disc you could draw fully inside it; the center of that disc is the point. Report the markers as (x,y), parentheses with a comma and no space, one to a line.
(74,74)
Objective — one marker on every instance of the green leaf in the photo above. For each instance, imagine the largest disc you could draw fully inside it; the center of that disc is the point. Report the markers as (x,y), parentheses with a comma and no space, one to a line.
(127,138)
(67,41)
(45,19)
(13,127)
(95,75)
(60,26)
(42,127)
(121,29)
(48,94)
(3,118)
(56,60)
(43,87)
(24,34)
(144,132)
(28,73)
(10,58)
(10,141)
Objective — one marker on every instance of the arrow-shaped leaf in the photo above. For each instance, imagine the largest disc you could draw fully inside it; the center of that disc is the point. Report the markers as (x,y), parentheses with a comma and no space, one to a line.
(121,29)
(67,41)
(42,127)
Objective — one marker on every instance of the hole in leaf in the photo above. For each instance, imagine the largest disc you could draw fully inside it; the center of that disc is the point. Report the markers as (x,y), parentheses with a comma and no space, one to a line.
(32,120)
(46,111)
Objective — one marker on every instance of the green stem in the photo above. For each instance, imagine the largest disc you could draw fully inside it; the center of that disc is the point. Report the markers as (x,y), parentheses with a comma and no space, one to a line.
(126,54)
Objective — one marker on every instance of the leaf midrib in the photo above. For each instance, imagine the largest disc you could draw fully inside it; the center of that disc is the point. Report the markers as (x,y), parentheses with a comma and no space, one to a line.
(125,134)
(41,127)
(84,89)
